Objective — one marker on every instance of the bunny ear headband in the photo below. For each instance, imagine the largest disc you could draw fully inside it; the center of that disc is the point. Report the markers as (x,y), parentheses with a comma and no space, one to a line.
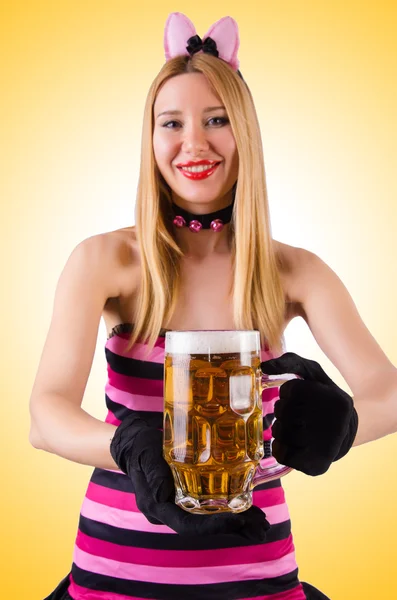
(221,40)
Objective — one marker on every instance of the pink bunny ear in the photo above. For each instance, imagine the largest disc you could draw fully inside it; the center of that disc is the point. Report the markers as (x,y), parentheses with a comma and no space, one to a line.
(178,29)
(225,34)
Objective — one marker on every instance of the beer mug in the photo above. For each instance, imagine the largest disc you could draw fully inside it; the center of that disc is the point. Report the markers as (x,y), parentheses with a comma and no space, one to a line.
(213,419)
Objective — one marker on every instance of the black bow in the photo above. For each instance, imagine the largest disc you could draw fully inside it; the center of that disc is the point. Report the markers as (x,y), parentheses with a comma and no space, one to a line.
(195,44)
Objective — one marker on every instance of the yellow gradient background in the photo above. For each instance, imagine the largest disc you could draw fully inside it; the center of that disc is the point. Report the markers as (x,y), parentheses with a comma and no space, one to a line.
(74,77)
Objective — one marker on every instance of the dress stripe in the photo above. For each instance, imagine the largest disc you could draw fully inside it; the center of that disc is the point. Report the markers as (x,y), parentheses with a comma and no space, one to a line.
(139,351)
(295,594)
(133,401)
(197,576)
(136,385)
(126,501)
(118,480)
(137,521)
(186,559)
(172,541)
(284,587)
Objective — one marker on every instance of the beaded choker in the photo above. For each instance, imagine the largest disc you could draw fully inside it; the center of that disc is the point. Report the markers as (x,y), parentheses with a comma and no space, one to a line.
(215,220)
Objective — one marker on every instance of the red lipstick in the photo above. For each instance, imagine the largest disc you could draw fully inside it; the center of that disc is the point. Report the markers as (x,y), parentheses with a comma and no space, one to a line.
(197,163)
(197,175)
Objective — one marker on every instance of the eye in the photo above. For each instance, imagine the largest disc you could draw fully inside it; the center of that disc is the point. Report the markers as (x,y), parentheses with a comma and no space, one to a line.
(168,123)
(221,121)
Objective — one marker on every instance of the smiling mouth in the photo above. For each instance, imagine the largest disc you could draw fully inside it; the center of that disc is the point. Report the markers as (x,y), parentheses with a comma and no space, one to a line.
(199,172)
(198,168)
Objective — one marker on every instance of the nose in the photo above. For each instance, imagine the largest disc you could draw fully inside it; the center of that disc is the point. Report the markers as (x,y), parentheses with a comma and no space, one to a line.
(195,140)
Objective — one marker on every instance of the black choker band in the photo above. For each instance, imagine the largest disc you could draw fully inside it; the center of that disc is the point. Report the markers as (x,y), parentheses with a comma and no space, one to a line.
(215,220)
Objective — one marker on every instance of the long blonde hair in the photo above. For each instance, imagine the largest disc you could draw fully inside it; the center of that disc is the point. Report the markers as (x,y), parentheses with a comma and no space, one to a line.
(257,293)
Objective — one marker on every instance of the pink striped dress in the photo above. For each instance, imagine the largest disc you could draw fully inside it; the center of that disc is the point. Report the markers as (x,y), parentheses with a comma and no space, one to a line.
(119,555)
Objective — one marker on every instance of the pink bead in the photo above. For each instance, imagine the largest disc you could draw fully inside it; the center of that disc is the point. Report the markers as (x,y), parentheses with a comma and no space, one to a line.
(195,226)
(217,225)
(179,221)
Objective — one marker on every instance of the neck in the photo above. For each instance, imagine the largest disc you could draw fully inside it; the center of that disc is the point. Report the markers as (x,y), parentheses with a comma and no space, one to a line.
(199,221)
(210,243)
(200,232)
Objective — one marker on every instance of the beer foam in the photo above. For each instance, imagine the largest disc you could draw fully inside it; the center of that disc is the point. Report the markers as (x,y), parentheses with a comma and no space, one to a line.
(211,342)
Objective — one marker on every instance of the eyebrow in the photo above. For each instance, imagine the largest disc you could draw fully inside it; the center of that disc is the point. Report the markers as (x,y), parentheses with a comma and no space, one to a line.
(179,112)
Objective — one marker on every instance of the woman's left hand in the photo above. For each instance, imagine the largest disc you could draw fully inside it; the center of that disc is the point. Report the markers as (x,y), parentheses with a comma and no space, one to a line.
(316,422)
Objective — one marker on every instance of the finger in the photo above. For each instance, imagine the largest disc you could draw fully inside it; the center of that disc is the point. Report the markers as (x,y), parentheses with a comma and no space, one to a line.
(151,462)
(153,520)
(143,495)
(291,434)
(251,525)
(186,523)
(256,525)
(283,453)
(164,489)
(293,363)
(143,498)
(302,460)
(159,479)
(293,399)
(294,389)
(300,397)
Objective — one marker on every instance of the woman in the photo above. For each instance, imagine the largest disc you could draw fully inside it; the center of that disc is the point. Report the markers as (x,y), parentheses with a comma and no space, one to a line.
(201,256)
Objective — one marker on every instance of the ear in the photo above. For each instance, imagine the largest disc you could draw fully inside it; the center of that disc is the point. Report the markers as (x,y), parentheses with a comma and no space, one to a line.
(225,33)
(178,29)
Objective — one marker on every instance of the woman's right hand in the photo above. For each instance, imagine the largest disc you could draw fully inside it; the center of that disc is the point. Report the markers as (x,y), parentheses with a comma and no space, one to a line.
(137,448)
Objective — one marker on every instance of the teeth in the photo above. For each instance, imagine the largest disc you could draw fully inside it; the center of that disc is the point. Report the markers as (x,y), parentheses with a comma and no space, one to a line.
(198,169)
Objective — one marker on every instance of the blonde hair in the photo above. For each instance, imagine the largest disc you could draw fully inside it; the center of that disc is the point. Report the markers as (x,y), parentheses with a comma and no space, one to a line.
(257,294)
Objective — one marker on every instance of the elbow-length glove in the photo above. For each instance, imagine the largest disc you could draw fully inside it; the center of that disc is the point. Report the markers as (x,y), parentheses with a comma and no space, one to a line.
(137,448)
(316,422)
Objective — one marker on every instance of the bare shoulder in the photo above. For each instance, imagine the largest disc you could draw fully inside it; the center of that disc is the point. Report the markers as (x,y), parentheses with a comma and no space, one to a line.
(120,248)
(303,272)
(331,314)
(122,240)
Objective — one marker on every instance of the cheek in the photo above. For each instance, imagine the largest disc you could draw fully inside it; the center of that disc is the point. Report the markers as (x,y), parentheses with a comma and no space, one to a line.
(162,156)
(232,153)
(229,144)
(157,148)
(163,149)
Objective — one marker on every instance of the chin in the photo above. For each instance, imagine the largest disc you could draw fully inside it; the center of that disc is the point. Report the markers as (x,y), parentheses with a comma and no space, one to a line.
(198,197)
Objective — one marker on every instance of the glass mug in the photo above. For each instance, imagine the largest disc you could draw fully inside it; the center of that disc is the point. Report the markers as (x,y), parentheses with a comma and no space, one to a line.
(213,420)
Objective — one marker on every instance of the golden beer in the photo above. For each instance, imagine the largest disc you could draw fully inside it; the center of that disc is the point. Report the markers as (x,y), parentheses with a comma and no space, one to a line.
(213,422)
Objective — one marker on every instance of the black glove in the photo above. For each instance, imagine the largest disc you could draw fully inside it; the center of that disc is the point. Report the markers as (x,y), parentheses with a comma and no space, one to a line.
(316,422)
(137,448)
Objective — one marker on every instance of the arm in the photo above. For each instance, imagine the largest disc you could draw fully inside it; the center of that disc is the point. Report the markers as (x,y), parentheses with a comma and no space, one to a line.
(58,423)
(60,426)
(336,325)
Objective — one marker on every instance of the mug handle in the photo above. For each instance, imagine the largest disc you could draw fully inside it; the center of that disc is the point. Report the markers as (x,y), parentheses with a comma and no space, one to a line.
(270,469)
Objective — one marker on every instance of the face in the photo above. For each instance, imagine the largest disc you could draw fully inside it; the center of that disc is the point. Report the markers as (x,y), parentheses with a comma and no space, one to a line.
(190,126)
